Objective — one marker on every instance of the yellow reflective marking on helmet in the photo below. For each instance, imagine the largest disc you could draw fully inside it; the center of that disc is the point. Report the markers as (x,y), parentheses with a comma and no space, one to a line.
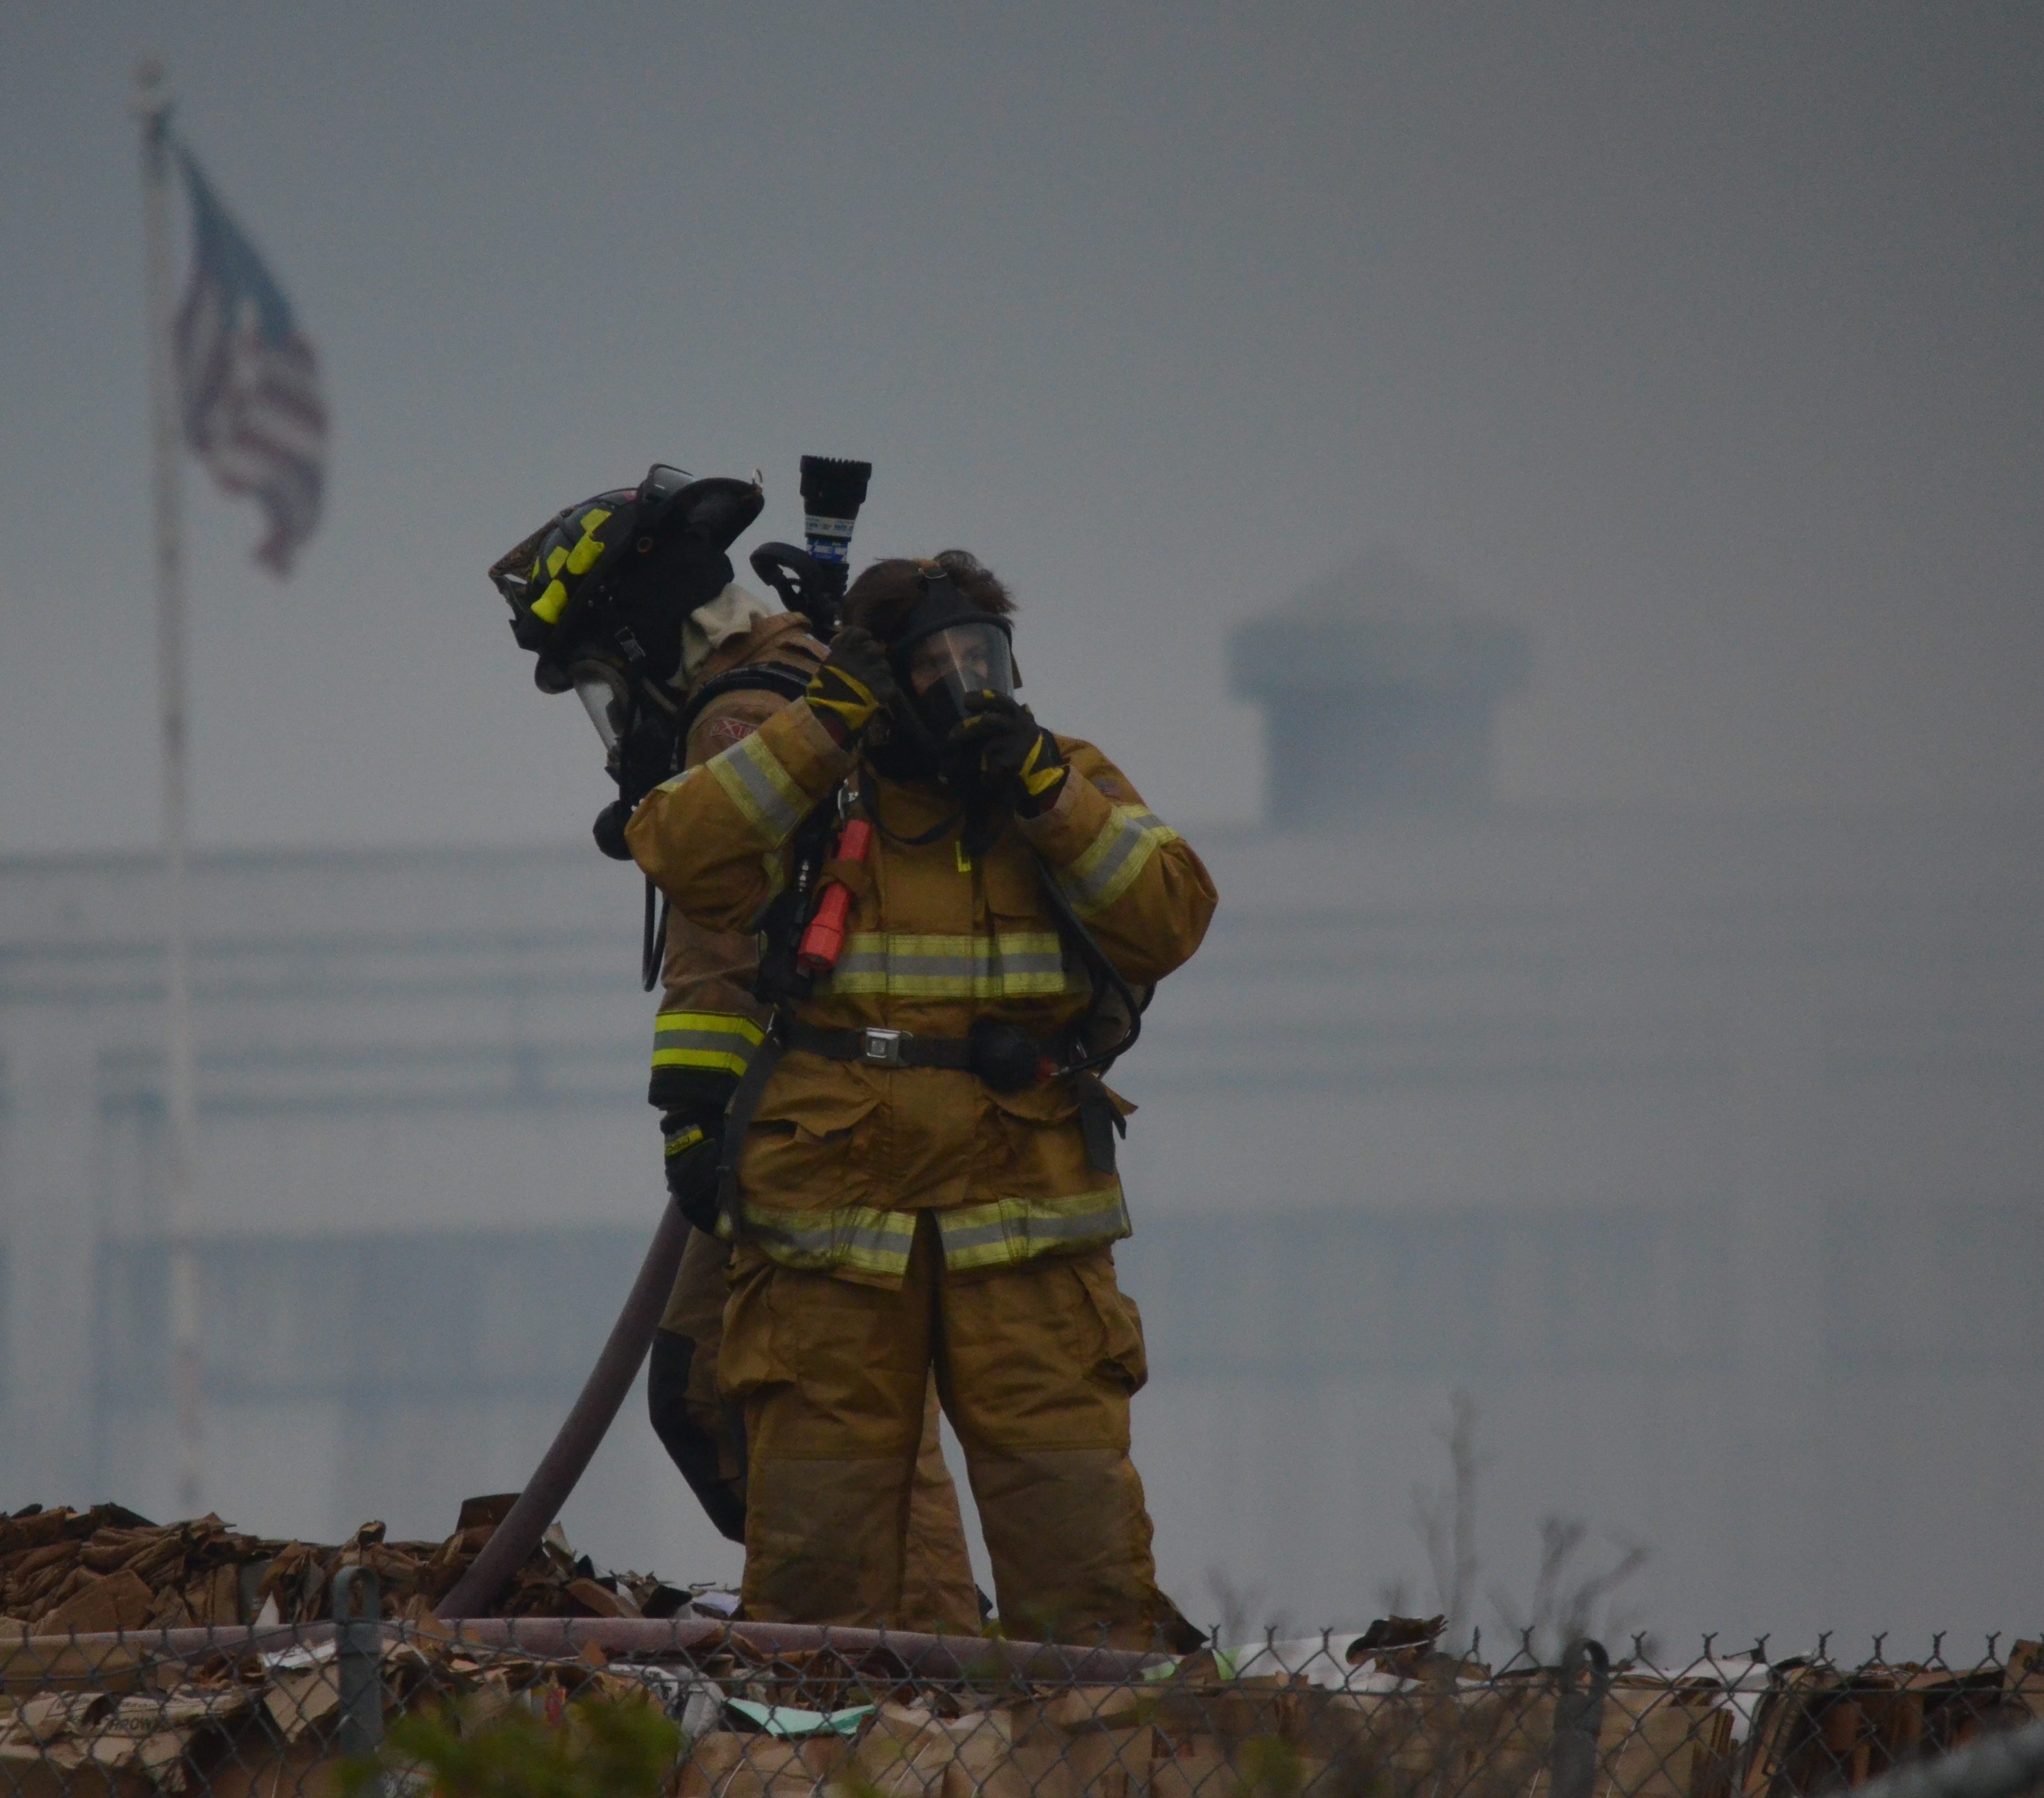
(548,607)
(591,546)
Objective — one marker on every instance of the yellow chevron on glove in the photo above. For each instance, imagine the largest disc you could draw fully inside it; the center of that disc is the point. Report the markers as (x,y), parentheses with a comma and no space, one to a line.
(1041,772)
(1017,754)
(852,685)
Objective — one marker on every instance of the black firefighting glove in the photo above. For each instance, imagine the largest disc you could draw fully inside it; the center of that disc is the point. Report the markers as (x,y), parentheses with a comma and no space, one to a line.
(853,685)
(608,829)
(694,1143)
(645,758)
(1018,758)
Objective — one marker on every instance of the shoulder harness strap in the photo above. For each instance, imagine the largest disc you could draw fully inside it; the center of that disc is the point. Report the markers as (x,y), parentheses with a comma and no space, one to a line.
(764,677)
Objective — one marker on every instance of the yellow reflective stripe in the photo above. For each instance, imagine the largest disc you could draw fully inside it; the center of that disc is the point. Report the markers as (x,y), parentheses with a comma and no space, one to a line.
(1016,964)
(722,1041)
(753,778)
(1108,865)
(579,560)
(1016,1230)
(722,1023)
(548,606)
(862,1237)
(584,554)
(685,1139)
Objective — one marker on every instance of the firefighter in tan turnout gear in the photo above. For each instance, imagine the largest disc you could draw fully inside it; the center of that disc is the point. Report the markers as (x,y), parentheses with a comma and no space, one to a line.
(627,599)
(709,1025)
(918,1165)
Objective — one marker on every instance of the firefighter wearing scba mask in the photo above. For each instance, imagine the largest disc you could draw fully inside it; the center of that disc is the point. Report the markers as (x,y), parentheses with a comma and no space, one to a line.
(628,599)
(918,1166)
(743,662)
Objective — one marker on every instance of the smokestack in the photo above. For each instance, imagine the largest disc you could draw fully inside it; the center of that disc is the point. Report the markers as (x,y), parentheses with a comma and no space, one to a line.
(1380,693)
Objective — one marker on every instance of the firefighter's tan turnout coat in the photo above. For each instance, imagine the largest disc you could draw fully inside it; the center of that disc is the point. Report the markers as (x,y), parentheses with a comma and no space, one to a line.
(896,1220)
(708,1026)
(842,1155)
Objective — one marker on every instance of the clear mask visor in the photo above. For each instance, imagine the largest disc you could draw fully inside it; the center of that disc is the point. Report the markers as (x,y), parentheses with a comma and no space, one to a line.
(601,692)
(947,667)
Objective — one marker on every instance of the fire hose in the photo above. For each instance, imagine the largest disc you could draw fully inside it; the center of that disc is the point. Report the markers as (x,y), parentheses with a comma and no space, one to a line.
(580,641)
(581,1433)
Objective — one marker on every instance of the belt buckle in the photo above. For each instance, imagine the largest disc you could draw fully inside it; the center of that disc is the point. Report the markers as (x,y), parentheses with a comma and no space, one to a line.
(882,1046)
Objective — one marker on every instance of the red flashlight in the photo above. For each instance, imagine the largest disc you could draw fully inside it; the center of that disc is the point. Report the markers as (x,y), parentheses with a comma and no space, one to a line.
(824,941)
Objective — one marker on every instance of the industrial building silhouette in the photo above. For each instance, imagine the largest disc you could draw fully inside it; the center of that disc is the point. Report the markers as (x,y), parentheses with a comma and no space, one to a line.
(1703,1150)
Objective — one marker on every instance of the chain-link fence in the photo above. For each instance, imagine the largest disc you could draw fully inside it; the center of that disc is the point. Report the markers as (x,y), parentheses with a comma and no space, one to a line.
(743,1711)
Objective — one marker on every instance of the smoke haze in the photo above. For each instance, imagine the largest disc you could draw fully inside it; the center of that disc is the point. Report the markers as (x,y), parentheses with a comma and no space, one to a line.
(1704,341)
(1705,344)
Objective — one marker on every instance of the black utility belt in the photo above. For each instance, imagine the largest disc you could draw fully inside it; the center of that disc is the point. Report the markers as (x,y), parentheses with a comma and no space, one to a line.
(1005,1055)
(881,1048)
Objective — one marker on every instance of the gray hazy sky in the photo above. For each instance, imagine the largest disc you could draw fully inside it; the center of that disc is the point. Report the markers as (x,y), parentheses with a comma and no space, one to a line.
(1704,340)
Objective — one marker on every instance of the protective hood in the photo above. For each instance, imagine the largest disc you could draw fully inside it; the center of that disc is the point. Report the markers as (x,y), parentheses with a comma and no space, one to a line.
(713,624)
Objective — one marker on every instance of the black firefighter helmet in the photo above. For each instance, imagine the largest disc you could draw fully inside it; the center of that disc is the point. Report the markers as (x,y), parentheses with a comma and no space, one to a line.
(613,579)
(599,593)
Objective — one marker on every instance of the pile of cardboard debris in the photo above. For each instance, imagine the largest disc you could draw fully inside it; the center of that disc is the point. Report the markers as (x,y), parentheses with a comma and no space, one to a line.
(764,1724)
(259,1711)
(64,1572)
(124,1720)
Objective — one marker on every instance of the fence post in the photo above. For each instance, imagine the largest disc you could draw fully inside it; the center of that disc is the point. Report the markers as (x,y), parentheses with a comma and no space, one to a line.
(358,1636)
(1572,1758)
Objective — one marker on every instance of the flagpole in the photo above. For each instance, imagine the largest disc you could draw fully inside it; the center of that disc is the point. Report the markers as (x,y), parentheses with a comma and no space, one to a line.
(153,108)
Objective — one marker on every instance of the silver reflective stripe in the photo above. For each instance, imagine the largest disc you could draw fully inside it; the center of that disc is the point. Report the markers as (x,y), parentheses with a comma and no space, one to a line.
(1111,861)
(860,1236)
(964,967)
(1016,1230)
(751,775)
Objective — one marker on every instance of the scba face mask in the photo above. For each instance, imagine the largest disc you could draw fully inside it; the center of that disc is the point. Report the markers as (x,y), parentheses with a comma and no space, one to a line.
(949,652)
(945,669)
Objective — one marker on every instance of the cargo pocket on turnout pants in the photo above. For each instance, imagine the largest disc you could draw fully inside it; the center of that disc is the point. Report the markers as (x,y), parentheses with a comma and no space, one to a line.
(756,1352)
(1120,1359)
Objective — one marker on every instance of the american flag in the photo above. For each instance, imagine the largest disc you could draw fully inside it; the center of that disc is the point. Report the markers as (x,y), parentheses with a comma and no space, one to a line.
(249,382)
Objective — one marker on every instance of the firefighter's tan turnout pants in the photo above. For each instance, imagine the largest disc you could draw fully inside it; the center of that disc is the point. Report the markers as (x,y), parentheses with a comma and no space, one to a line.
(937,1593)
(1035,1363)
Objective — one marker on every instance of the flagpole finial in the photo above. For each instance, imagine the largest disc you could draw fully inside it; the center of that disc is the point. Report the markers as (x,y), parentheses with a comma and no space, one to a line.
(153,87)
